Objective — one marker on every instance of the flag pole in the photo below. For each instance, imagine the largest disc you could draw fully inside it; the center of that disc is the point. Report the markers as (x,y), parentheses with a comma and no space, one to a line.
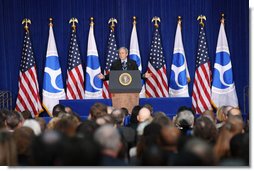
(156,20)
(201,18)
(222,19)
(112,21)
(73,21)
(26,21)
(91,21)
(134,20)
(179,21)
(50,22)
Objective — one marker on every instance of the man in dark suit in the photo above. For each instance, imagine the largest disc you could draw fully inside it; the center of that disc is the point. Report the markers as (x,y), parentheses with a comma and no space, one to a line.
(123,63)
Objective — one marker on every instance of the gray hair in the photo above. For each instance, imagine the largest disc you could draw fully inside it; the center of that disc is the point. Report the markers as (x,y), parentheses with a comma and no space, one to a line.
(108,137)
(126,50)
(185,115)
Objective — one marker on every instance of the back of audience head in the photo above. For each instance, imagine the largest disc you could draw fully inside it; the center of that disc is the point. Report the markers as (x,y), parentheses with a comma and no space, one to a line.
(184,120)
(42,123)
(151,136)
(201,149)
(23,137)
(125,111)
(169,138)
(105,119)
(183,108)
(52,123)
(144,114)
(110,109)
(235,112)
(80,152)
(66,126)
(232,127)
(209,114)
(57,109)
(150,107)
(86,129)
(3,115)
(26,114)
(134,114)
(109,139)
(14,120)
(34,125)
(153,155)
(239,147)
(98,110)
(8,150)
(118,116)
(205,129)
(161,118)
(47,149)
(222,113)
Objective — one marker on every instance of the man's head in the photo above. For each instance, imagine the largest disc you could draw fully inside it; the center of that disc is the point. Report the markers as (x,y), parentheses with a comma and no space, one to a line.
(123,53)
(144,114)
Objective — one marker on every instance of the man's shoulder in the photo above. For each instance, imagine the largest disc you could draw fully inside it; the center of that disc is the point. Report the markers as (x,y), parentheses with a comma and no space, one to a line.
(131,60)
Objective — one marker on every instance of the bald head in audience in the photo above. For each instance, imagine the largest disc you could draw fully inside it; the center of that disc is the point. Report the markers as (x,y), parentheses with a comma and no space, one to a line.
(144,114)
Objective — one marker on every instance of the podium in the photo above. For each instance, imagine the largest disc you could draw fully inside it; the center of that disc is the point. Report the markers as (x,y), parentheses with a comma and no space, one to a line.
(125,87)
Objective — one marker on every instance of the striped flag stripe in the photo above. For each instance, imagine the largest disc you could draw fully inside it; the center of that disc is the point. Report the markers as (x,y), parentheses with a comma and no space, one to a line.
(204,84)
(73,85)
(28,92)
(158,81)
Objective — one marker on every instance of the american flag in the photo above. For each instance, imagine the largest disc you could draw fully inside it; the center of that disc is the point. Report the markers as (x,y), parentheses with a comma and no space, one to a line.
(28,94)
(112,54)
(75,74)
(201,95)
(157,84)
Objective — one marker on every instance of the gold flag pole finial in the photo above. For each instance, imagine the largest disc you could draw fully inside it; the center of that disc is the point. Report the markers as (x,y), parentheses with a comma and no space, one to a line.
(112,21)
(201,18)
(134,20)
(26,21)
(222,18)
(50,22)
(156,20)
(73,21)
(179,20)
(91,21)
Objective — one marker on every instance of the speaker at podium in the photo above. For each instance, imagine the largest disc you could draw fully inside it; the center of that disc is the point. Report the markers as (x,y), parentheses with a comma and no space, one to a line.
(125,87)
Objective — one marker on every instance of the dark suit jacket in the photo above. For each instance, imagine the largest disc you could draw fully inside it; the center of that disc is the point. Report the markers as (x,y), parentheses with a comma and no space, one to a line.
(117,65)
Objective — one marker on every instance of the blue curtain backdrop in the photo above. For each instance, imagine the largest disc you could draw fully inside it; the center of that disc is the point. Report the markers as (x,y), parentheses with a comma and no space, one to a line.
(39,11)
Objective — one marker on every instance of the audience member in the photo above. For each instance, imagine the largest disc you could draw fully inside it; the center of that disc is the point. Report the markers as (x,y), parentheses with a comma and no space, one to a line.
(42,123)
(110,141)
(13,120)
(8,150)
(57,109)
(205,129)
(34,125)
(97,110)
(23,137)
(184,120)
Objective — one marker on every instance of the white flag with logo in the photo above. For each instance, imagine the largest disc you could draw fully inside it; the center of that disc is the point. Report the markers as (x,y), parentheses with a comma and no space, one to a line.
(135,55)
(93,85)
(223,86)
(179,75)
(53,89)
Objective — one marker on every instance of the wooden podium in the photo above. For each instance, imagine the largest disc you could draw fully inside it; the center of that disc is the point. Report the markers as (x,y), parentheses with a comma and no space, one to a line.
(124,87)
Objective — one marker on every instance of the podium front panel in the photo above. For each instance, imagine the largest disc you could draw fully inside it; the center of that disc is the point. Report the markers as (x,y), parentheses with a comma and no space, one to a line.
(125,81)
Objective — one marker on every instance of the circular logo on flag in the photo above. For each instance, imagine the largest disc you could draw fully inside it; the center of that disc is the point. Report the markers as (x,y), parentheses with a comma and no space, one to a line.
(125,79)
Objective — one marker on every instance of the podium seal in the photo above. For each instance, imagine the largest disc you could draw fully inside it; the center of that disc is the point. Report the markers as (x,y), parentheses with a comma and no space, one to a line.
(125,79)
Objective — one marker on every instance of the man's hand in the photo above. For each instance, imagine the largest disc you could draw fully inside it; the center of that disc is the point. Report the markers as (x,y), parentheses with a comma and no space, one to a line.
(101,76)
(147,74)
